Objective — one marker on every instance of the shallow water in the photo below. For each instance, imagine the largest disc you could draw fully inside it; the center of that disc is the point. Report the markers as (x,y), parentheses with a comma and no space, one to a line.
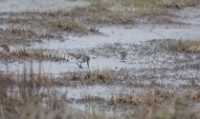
(117,34)
(112,35)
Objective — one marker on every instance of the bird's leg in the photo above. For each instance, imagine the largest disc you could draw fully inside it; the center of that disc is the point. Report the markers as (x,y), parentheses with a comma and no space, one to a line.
(79,65)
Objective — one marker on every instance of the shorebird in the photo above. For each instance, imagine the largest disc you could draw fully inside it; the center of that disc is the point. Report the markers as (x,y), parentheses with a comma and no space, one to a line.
(5,48)
(80,58)
(123,55)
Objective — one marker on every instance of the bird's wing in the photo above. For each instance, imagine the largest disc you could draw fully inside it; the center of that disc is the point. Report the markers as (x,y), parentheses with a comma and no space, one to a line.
(75,55)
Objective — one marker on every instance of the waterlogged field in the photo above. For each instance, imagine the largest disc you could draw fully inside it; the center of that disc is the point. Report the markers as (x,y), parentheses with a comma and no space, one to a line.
(144,59)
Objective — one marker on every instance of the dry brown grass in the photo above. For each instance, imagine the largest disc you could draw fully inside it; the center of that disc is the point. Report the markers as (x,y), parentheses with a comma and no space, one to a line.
(133,99)
(71,26)
(98,76)
(158,104)
(180,3)
(16,36)
(190,46)
(45,22)
(30,54)
(123,11)
(91,77)
(31,98)
(15,103)
(187,46)
(171,110)
(196,96)
(91,99)
(148,7)
(117,12)
(98,12)
(111,18)
(19,36)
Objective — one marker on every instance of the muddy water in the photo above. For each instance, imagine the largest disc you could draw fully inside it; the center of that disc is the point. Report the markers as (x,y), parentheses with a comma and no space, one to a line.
(136,35)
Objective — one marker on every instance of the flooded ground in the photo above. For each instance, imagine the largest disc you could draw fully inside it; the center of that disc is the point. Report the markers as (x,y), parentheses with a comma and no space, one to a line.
(151,63)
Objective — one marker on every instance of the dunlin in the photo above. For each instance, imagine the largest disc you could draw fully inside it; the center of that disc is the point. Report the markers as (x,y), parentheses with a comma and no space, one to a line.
(123,55)
(5,48)
(80,58)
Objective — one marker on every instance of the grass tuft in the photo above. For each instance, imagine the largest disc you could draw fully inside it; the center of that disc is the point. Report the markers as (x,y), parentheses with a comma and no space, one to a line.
(110,18)
(156,97)
(71,26)
(100,76)
(188,46)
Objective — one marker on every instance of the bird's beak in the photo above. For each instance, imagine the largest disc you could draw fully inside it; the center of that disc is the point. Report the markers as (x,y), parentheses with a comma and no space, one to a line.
(88,63)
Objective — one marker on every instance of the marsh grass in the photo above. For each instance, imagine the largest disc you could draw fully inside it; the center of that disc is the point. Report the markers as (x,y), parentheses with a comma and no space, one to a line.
(111,18)
(100,5)
(90,77)
(91,99)
(71,26)
(17,105)
(16,36)
(190,46)
(117,11)
(98,12)
(133,99)
(147,7)
(22,36)
(171,110)
(123,11)
(23,98)
(100,77)
(180,3)
(157,3)
(158,104)
(31,54)
(174,46)
(145,4)
(31,95)
(36,99)
(111,12)
(45,22)
(38,54)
